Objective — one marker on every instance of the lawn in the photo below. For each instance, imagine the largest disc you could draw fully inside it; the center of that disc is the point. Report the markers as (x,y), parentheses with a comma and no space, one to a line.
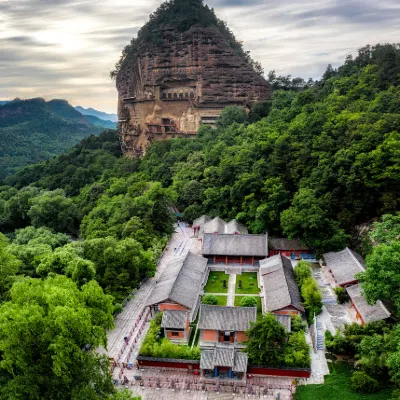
(337,387)
(258,299)
(249,283)
(215,282)
(221,300)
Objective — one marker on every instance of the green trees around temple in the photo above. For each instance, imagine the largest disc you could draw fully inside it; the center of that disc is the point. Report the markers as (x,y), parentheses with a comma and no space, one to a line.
(269,344)
(49,330)
(210,300)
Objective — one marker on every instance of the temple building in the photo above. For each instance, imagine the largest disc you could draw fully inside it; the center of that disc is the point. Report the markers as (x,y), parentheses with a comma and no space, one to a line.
(235,249)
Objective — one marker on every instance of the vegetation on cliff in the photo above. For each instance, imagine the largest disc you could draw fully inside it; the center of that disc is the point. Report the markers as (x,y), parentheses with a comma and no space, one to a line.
(181,15)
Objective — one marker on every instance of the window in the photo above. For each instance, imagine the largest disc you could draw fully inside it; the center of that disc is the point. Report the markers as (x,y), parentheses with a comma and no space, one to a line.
(186,94)
(175,95)
(174,333)
(170,95)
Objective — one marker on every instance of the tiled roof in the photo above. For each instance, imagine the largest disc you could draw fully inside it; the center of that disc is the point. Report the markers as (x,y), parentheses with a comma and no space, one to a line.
(201,220)
(368,313)
(224,357)
(344,265)
(226,318)
(180,281)
(279,285)
(174,319)
(286,244)
(218,225)
(235,245)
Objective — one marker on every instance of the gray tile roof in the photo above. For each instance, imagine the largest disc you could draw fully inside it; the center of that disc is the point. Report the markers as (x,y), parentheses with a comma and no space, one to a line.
(201,220)
(368,313)
(218,225)
(344,265)
(286,244)
(279,285)
(235,245)
(181,281)
(174,319)
(226,318)
(224,357)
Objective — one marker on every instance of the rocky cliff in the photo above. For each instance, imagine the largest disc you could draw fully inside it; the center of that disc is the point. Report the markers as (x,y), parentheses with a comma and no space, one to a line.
(181,71)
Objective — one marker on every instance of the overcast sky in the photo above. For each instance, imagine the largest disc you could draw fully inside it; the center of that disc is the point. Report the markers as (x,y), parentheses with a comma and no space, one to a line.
(66,48)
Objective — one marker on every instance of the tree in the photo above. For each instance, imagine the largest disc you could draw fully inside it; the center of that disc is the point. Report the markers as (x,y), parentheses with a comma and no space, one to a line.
(231,115)
(210,300)
(266,340)
(49,331)
(312,297)
(53,210)
(9,266)
(33,236)
(248,301)
(381,279)
(302,272)
(387,230)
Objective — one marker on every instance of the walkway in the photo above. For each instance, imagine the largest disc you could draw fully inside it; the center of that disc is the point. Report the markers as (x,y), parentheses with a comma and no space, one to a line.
(231,290)
(132,323)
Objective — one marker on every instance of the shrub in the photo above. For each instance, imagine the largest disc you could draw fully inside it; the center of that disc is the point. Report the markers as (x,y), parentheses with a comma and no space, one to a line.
(362,382)
(341,295)
(298,324)
(210,300)
(248,302)
(337,344)
(312,298)
(302,272)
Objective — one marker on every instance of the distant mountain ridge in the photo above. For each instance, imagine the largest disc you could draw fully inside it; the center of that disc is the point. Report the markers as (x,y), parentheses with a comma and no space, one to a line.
(35,130)
(99,114)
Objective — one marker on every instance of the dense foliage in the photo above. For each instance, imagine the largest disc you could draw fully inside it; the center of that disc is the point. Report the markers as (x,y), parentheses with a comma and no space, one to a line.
(35,130)
(269,344)
(155,345)
(324,160)
(181,14)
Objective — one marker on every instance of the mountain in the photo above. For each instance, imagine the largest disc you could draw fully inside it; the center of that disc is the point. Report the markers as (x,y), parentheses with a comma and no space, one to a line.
(35,130)
(2,102)
(99,114)
(107,124)
(183,68)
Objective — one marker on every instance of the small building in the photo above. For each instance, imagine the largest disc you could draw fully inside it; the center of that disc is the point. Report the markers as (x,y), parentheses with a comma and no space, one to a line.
(279,291)
(205,224)
(224,325)
(366,313)
(344,265)
(223,362)
(292,249)
(180,285)
(235,249)
(176,326)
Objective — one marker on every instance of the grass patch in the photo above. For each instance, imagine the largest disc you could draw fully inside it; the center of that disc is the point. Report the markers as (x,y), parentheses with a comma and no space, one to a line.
(258,299)
(215,282)
(337,387)
(249,283)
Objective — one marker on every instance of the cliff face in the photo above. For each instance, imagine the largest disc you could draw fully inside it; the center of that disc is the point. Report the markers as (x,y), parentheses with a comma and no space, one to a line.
(168,88)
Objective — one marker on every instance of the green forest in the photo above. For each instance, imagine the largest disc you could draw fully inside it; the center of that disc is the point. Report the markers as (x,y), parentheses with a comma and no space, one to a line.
(35,130)
(80,231)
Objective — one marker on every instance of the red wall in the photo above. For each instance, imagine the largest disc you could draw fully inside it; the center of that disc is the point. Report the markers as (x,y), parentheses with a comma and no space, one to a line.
(292,373)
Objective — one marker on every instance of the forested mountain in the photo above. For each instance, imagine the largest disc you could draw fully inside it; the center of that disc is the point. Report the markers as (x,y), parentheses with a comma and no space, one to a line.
(35,130)
(312,163)
(99,114)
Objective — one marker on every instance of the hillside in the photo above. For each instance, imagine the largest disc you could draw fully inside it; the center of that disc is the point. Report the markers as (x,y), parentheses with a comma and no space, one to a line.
(99,114)
(310,164)
(35,130)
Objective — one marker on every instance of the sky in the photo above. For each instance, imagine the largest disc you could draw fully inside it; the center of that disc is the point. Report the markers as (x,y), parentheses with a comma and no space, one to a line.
(66,48)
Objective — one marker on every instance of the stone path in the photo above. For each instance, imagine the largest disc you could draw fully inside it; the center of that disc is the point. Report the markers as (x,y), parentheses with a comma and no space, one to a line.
(131,323)
(231,290)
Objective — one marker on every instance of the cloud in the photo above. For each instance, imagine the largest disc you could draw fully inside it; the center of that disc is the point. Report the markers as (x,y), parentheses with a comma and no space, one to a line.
(66,48)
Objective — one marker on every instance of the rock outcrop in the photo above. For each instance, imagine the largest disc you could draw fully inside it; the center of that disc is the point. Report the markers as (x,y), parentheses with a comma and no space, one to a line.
(169,86)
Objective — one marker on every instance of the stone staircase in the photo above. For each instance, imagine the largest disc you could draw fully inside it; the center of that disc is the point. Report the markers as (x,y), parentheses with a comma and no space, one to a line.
(320,336)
